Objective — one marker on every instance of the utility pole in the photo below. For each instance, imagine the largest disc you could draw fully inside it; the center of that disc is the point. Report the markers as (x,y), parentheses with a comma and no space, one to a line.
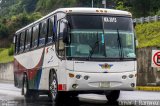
(92,3)
(104,3)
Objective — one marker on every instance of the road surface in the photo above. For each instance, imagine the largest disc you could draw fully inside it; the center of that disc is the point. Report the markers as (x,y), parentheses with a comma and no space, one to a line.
(11,96)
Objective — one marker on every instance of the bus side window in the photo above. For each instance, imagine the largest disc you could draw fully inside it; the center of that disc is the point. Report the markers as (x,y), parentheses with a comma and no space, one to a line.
(35,36)
(28,39)
(22,39)
(43,32)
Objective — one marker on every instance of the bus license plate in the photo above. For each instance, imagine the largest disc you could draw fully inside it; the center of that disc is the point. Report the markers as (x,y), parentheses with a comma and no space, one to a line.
(104,84)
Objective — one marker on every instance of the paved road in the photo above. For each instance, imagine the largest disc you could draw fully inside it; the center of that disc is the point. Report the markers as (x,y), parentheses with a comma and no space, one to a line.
(11,96)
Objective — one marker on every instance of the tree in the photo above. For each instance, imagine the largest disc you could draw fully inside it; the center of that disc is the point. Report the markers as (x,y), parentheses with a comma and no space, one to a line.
(4,31)
(29,5)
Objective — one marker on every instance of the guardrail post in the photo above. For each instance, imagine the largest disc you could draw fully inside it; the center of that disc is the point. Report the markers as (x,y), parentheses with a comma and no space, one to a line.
(156,18)
(135,20)
(142,20)
(149,19)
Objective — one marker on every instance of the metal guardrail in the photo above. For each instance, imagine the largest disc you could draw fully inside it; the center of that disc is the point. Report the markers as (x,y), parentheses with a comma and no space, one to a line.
(147,19)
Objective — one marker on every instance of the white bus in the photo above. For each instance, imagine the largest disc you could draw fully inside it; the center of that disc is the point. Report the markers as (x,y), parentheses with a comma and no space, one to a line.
(76,50)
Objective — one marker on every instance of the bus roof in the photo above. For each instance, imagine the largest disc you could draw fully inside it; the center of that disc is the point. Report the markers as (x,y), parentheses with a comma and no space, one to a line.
(81,10)
(94,10)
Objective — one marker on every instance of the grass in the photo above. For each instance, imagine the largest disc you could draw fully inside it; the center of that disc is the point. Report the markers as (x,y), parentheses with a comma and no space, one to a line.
(4,57)
(148,88)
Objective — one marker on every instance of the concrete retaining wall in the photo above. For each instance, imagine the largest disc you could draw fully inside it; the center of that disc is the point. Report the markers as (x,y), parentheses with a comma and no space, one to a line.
(6,71)
(147,75)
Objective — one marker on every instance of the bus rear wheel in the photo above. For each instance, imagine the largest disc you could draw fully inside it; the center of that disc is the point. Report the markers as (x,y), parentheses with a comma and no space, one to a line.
(25,89)
(112,96)
(28,94)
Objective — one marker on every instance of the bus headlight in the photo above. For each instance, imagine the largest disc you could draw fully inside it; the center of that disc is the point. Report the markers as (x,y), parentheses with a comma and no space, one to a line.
(78,76)
(131,76)
(124,77)
(86,77)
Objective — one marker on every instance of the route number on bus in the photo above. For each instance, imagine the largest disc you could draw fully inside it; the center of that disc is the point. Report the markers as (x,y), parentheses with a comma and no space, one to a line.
(110,19)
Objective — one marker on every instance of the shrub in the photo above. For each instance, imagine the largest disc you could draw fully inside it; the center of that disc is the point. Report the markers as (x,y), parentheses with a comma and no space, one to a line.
(148,34)
(11,50)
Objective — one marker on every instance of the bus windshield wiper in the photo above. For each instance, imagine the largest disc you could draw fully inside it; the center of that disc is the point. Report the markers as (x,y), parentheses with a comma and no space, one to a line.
(119,45)
(94,47)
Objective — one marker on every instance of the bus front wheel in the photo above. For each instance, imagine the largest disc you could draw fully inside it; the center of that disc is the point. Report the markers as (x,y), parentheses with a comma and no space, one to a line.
(112,96)
(53,86)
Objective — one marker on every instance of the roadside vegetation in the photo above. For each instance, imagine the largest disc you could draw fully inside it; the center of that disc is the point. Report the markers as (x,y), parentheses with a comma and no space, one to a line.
(148,34)
(5,57)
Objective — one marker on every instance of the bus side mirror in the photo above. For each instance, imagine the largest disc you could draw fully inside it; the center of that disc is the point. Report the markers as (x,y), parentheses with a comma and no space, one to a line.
(14,39)
(136,43)
(134,24)
(65,31)
(65,36)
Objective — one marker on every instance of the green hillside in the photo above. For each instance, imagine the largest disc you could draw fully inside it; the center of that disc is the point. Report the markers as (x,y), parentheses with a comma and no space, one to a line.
(15,14)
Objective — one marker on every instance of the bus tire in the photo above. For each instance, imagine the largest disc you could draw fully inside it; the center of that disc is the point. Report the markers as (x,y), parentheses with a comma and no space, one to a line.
(25,88)
(54,95)
(73,94)
(112,96)
(15,81)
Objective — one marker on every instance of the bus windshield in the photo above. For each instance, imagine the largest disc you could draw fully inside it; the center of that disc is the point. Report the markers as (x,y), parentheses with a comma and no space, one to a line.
(97,36)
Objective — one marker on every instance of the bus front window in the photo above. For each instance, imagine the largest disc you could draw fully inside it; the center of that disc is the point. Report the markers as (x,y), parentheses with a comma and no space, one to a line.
(119,37)
(122,47)
(83,41)
(95,36)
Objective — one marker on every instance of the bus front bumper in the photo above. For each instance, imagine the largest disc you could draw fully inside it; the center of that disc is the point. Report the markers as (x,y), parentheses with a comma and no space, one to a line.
(81,81)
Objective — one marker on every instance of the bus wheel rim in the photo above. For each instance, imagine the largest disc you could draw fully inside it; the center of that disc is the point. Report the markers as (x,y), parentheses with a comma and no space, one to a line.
(53,88)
